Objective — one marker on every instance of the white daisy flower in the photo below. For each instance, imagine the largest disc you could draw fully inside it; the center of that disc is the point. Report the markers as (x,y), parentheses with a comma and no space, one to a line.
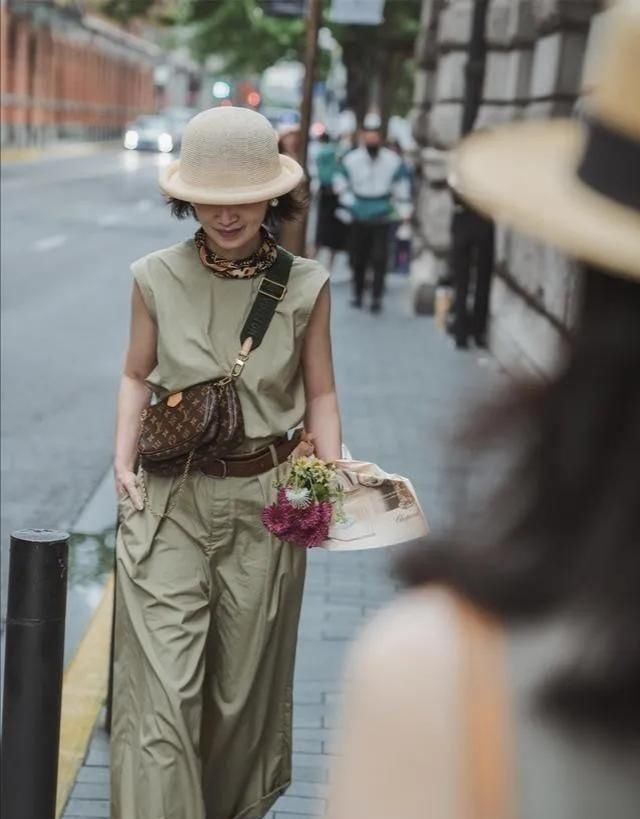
(299,498)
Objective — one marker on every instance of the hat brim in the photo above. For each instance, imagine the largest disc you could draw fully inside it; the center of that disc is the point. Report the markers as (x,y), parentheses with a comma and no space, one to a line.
(172,184)
(524,175)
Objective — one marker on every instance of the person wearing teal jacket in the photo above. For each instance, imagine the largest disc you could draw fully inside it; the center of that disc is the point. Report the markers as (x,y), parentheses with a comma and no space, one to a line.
(372,185)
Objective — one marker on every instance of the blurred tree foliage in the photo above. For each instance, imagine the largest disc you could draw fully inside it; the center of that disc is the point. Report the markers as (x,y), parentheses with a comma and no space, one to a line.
(125,10)
(378,59)
(161,12)
(240,33)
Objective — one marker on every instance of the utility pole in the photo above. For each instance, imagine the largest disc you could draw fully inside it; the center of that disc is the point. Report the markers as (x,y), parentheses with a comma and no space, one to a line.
(314,18)
(293,234)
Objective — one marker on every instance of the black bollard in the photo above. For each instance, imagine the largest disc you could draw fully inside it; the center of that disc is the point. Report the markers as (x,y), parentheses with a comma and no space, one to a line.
(33,668)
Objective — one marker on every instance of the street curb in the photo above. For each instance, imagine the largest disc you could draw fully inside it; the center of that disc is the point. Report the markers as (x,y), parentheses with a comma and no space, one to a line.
(83,693)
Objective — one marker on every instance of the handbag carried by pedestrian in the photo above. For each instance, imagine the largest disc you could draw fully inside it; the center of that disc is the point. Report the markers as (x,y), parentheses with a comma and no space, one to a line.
(204,421)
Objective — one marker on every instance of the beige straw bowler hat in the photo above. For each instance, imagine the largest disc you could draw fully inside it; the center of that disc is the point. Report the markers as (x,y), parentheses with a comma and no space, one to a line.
(572,184)
(229,156)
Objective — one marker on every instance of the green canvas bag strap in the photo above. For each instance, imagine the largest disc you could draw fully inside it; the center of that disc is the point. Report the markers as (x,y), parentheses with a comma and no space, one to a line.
(271,291)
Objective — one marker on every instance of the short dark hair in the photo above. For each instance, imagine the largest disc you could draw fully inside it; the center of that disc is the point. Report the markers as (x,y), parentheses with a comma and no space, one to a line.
(291,206)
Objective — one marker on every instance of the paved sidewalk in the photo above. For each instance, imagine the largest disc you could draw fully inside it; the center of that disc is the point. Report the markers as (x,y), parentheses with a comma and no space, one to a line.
(402,389)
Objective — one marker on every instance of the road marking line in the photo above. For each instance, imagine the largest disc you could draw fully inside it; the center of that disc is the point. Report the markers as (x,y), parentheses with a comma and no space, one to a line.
(49,243)
(83,692)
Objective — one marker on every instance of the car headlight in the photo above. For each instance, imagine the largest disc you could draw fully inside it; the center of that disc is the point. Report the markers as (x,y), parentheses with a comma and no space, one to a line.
(131,140)
(165,143)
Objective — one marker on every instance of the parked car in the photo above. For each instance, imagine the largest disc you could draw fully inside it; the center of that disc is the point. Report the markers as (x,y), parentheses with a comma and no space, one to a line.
(151,132)
(179,116)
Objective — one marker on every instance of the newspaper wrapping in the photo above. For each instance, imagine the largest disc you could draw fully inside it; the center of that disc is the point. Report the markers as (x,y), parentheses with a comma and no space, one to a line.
(380,509)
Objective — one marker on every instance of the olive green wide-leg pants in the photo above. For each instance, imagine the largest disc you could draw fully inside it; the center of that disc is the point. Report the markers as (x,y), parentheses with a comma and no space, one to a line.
(207,611)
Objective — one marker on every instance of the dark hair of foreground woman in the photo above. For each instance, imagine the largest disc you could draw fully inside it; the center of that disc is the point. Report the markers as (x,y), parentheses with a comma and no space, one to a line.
(291,206)
(561,537)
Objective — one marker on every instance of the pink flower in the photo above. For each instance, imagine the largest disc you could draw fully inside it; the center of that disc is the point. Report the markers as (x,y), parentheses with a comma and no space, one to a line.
(306,527)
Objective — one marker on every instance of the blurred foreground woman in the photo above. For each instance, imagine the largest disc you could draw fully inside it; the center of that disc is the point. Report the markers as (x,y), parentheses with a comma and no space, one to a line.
(506,682)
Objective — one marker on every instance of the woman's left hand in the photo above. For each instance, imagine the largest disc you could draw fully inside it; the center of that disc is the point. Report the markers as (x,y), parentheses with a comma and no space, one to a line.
(305,448)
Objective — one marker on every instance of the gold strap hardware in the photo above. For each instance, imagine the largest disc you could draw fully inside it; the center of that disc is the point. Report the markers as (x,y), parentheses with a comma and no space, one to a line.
(238,367)
(283,289)
(241,360)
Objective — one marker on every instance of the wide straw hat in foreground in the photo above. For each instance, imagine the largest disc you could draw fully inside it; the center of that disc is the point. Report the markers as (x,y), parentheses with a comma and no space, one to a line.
(230,156)
(572,184)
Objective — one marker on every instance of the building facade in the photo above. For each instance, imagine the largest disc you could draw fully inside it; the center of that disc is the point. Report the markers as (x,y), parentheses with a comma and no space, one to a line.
(534,61)
(65,74)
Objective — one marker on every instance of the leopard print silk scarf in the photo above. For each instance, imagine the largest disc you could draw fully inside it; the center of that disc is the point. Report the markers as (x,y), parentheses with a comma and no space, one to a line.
(258,262)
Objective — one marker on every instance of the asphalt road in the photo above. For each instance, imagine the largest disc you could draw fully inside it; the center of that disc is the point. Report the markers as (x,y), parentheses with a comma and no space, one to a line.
(70,229)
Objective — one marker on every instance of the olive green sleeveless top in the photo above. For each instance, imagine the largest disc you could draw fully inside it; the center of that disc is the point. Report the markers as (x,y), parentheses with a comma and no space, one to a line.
(199,317)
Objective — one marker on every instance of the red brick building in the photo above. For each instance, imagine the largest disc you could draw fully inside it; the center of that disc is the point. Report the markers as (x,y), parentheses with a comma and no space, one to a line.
(67,74)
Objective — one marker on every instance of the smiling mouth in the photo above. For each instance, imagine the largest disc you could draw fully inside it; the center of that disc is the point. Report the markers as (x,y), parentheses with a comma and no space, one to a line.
(229,232)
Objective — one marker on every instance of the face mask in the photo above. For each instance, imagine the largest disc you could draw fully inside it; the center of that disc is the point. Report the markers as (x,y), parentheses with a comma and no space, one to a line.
(373,150)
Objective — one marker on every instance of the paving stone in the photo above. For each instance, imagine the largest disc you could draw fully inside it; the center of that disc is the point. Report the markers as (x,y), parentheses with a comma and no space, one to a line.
(97,756)
(87,809)
(300,805)
(90,790)
(314,734)
(316,790)
(308,716)
(93,774)
(312,761)
(291,816)
(306,697)
(307,746)
(330,748)
(309,774)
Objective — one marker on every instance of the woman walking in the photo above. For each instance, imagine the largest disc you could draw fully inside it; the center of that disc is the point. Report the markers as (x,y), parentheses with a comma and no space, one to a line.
(331,233)
(207,601)
(505,683)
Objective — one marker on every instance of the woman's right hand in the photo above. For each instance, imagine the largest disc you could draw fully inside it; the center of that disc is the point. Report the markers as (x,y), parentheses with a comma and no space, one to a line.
(127,484)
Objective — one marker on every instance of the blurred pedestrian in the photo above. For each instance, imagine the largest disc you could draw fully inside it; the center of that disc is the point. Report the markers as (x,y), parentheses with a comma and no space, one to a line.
(506,682)
(370,183)
(290,233)
(289,137)
(208,602)
(331,233)
(400,231)
(472,263)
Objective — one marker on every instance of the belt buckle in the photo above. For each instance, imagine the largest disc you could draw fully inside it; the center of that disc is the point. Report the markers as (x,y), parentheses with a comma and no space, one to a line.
(225,468)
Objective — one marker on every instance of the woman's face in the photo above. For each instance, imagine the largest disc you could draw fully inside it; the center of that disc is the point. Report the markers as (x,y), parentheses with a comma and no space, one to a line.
(232,229)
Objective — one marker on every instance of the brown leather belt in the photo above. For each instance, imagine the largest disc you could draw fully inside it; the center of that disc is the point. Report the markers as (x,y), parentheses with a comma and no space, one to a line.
(250,464)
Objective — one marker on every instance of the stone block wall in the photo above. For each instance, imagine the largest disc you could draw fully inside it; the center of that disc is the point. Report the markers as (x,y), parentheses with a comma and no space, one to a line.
(534,67)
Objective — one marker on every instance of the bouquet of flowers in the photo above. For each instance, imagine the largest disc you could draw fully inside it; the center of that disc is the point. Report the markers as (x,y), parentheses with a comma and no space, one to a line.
(308,502)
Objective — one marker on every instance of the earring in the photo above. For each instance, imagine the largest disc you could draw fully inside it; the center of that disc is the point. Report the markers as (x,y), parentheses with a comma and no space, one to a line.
(274,203)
